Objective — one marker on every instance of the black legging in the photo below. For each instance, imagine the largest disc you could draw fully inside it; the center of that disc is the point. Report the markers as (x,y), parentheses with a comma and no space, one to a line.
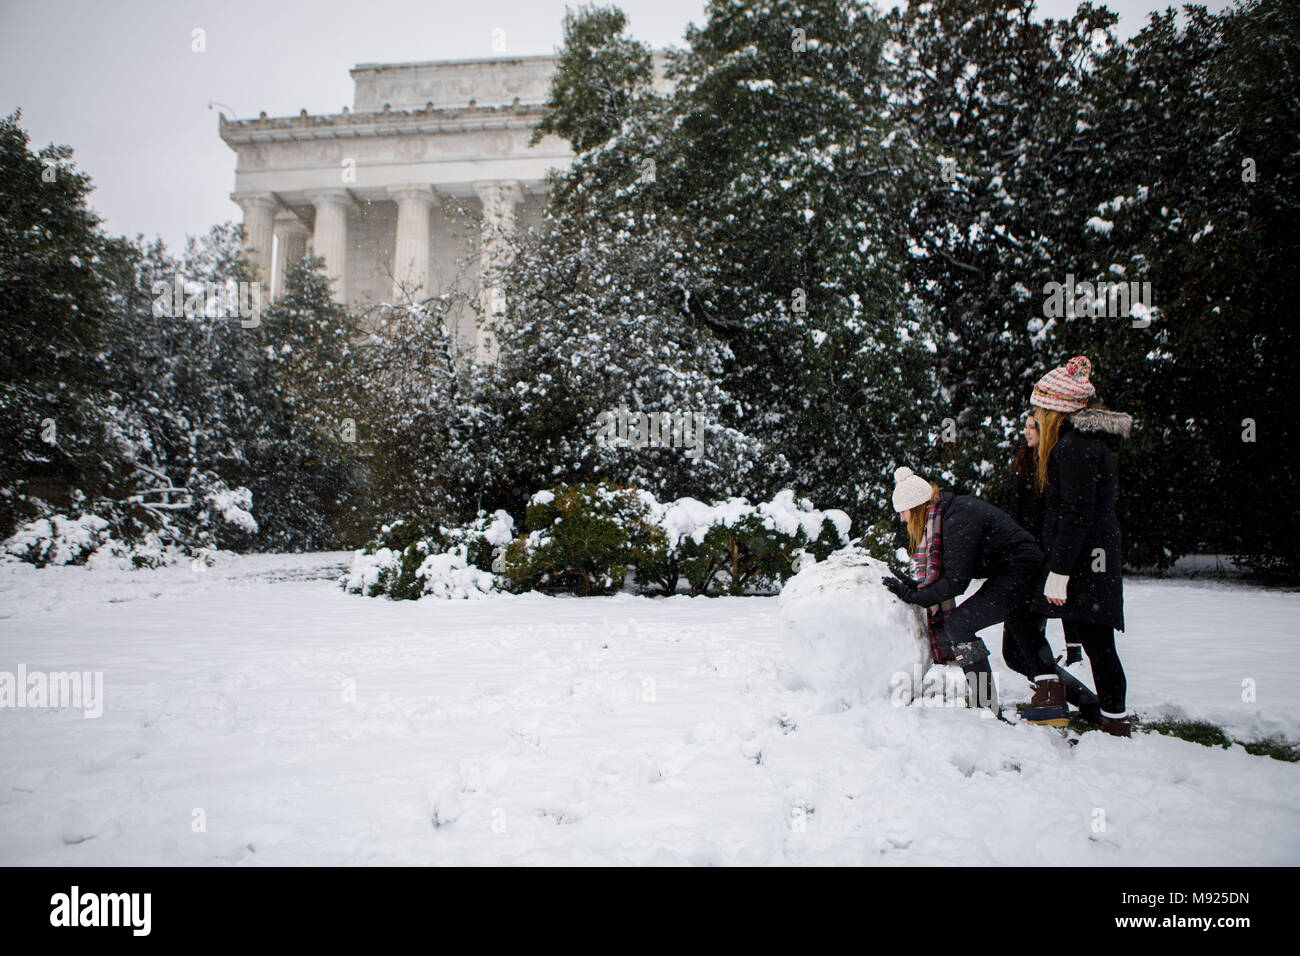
(1024,643)
(1029,630)
(1098,642)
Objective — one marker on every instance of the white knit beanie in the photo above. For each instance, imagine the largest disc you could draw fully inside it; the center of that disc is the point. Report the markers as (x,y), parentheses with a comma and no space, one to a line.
(910,490)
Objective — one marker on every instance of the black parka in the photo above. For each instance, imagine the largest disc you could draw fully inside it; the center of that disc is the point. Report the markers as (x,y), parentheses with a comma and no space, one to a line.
(1081,534)
(1020,500)
(979,541)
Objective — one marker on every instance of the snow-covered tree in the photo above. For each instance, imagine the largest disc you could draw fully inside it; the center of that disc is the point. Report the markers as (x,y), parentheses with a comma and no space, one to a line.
(992,90)
(1187,179)
(736,245)
(55,266)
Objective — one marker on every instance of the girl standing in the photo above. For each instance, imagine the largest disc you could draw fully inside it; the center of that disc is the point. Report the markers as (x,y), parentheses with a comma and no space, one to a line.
(1077,472)
(1024,636)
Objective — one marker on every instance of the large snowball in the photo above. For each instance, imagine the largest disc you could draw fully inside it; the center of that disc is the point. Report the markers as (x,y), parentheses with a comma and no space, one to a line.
(845,634)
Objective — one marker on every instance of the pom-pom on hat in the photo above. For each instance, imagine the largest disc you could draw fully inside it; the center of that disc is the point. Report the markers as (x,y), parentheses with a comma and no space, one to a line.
(1065,389)
(910,490)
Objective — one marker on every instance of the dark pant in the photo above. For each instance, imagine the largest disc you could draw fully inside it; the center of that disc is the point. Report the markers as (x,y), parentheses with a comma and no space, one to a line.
(1000,597)
(1024,643)
(1024,640)
(1107,673)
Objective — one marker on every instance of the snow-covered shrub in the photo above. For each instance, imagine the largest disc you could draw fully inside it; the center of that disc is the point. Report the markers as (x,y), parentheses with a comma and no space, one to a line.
(483,540)
(149,550)
(370,572)
(881,540)
(584,539)
(411,559)
(89,540)
(58,540)
(448,575)
(229,513)
(736,548)
(845,634)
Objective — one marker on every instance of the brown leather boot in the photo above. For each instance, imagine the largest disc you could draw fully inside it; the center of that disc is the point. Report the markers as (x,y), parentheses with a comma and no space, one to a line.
(1116,726)
(1048,704)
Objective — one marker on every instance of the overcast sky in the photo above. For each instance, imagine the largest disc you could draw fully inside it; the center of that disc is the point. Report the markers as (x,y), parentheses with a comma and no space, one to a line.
(120,84)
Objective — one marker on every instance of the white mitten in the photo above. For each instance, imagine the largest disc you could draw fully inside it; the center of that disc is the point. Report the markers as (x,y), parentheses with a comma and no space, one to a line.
(1055,587)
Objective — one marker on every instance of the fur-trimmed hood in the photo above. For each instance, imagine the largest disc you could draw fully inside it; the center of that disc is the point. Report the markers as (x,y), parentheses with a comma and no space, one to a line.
(1102,422)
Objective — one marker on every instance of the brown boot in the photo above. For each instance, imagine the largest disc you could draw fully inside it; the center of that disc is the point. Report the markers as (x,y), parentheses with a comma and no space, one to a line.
(1116,726)
(1048,704)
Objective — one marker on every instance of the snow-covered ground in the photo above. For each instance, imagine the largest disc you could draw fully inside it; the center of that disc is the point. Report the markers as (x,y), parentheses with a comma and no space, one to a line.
(301,725)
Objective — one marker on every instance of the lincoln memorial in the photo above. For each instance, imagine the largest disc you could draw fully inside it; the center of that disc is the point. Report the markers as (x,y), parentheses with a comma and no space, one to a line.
(409,193)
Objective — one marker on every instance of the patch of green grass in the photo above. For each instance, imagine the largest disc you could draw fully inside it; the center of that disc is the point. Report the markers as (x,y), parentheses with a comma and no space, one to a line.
(1198,732)
(1274,747)
(1079,725)
(1195,731)
(1208,735)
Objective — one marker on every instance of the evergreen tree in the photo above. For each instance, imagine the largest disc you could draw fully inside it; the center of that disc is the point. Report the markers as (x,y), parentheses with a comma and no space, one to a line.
(601,312)
(308,397)
(54,297)
(1189,181)
(426,420)
(599,73)
(782,152)
(179,369)
(757,206)
(993,93)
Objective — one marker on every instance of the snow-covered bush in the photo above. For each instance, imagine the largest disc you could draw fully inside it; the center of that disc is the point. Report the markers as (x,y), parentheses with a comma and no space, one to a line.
(86,540)
(229,510)
(584,539)
(411,559)
(846,635)
(881,540)
(736,548)
(371,571)
(448,575)
(58,540)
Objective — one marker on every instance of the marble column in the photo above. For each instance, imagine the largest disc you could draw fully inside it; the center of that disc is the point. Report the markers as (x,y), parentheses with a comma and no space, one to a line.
(259,216)
(411,251)
(499,198)
(291,245)
(330,238)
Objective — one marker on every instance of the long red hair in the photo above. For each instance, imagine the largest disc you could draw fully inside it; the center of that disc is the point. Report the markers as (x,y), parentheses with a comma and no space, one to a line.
(1049,430)
(916,519)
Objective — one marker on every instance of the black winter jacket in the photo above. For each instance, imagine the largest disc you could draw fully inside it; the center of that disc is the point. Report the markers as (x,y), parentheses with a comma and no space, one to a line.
(1020,501)
(1080,527)
(979,541)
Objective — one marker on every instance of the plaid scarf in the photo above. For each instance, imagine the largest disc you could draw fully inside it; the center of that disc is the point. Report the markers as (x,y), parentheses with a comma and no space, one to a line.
(928,561)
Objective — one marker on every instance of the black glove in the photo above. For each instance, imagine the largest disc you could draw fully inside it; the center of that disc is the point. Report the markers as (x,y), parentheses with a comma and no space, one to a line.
(1073,654)
(912,583)
(900,590)
(942,650)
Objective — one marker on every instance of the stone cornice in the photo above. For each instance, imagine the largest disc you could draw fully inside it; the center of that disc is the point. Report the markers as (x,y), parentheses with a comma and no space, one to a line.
(439,64)
(381,123)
